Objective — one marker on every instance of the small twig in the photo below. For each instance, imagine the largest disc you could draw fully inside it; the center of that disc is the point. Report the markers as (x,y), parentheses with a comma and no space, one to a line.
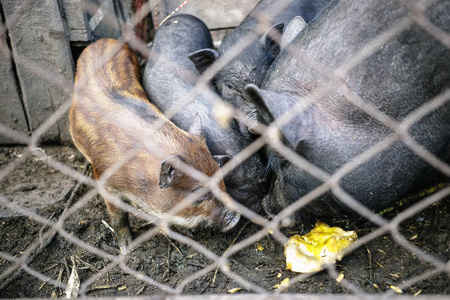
(66,265)
(236,262)
(215,275)
(370,267)
(196,265)
(50,267)
(232,243)
(173,245)
(108,226)
(137,228)
(42,285)
(103,287)
(140,291)
(164,279)
(55,292)
(91,267)
(206,286)
(174,284)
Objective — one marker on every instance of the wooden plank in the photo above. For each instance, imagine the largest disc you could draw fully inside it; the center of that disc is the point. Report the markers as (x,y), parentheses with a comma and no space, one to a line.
(76,21)
(11,112)
(215,14)
(38,36)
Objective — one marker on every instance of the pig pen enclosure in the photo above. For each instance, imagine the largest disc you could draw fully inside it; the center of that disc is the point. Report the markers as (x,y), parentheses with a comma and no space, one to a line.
(55,240)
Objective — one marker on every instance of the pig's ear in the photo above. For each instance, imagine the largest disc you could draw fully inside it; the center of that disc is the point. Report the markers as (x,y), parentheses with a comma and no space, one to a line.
(170,172)
(196,126)
(256,96)
(296,25)
(221,159)
(271,40)
(203,58)
(278,104)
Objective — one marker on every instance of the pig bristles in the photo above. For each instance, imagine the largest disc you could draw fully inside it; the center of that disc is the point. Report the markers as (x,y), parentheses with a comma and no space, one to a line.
(176,9)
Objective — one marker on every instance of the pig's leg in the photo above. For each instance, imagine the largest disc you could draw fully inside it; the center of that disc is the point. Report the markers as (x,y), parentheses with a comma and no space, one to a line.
(121,226)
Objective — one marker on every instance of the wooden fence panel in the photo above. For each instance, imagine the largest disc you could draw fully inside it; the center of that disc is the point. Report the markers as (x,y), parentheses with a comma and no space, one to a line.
(76,21)
(11,111)
(38,37)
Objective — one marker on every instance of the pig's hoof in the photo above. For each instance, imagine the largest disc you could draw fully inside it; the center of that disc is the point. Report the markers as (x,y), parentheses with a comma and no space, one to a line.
(125,246)
(124,239)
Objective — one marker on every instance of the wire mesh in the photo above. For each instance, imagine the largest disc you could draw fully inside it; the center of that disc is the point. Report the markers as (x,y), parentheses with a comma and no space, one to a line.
(65,244)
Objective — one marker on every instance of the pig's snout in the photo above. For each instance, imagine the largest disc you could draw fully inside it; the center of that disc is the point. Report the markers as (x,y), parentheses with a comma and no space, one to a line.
(228,219)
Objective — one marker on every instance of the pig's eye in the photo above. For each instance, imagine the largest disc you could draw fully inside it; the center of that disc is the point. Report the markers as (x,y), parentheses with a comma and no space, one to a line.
(244,193)
(207,195)
(228,87)
(227,90)
(202,198)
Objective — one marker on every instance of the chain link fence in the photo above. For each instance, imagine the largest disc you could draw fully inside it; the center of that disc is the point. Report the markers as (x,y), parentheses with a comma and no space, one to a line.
(65,246)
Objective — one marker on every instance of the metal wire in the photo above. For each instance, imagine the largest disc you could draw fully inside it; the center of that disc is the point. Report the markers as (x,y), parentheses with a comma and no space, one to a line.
(270,228)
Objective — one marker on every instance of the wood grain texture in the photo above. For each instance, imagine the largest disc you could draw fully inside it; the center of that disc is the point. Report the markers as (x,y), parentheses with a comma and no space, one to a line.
(11,112)
(43,60)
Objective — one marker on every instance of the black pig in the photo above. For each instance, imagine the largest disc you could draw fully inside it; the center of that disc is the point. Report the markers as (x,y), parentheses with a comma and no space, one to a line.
(403,74)
(169,77)
(251,65)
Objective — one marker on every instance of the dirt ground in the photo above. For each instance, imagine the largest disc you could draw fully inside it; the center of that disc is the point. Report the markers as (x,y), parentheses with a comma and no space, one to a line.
(35,186)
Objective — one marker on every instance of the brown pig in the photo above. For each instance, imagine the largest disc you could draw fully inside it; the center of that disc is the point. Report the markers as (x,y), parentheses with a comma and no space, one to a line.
(112,123)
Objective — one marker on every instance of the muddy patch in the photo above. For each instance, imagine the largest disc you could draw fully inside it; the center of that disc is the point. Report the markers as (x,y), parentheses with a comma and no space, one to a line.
(162,265)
